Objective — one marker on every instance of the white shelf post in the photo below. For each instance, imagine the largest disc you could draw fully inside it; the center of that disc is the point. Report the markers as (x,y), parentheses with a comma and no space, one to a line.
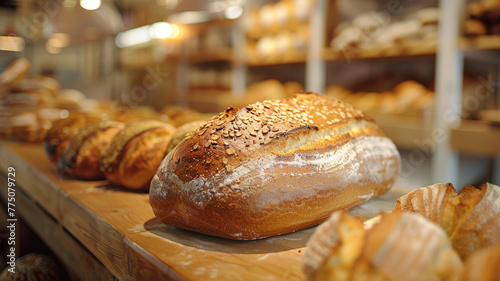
(449,72)
(315,65)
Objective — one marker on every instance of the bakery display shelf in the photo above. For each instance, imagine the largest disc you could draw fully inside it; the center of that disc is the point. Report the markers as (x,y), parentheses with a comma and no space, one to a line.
(487,42)
(288,58)
(117,228)
(407,132)
(476,138)
(223,55)
(378,53)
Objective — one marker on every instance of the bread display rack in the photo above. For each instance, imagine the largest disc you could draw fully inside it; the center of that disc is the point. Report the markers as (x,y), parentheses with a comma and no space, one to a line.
(113,232)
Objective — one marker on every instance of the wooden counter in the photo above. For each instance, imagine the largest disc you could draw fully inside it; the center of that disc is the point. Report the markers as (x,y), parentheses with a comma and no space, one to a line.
(100,231)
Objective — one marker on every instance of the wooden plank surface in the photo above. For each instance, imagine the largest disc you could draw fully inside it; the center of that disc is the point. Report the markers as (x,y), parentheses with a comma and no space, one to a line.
(69,251)
(120,229)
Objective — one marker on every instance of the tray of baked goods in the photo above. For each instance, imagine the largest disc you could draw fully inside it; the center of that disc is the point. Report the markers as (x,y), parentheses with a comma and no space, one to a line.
(239,197)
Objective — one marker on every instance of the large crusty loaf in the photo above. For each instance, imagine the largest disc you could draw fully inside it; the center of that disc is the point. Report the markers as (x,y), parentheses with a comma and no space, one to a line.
(133,156)
(273,167)
(471,218)
(81,157)
(402,246)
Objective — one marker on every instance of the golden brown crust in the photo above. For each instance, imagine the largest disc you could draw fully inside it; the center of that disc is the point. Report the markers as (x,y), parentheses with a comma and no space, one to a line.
(182,132)
(482,265)
(81,157)
(470,218)
(399,247)
(273,167)
(59,136)
(133,156)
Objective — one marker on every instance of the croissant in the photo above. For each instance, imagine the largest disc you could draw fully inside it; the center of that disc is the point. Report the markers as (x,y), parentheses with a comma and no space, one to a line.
(471,218)
(402,246)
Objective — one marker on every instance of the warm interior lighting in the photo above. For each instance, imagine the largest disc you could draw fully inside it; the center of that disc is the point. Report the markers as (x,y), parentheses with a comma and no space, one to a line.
(90,4)
(176,31)
(160,30)
(191,17)
(233,12)
(133,37)
(59,40)
(143,34)
(11,43)
(52,49)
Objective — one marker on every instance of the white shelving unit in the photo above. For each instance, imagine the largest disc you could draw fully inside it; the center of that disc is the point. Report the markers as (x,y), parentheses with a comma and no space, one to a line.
(449,59)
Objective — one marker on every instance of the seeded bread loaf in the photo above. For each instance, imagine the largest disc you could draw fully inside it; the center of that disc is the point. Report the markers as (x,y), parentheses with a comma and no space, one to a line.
(273,167)
(81,157)
(182,132)
(134,154)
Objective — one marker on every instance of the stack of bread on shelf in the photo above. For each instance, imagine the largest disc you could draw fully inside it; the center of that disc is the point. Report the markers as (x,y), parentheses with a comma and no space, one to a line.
(277,31)
(483,18)
(407,98)
(29,104)
(374,34)
(433,233)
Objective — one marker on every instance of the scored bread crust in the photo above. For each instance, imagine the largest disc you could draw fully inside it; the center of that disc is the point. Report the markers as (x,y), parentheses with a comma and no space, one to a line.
(133,156)
(59,135)
(81,157)
(273,167)
(470,218)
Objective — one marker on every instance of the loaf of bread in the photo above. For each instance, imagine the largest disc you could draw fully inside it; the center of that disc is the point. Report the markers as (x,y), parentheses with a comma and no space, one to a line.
(134,154)
(81,157)
(273,167)
(402,246)
(62,131)
(471,218)
(483,265)
(182,132)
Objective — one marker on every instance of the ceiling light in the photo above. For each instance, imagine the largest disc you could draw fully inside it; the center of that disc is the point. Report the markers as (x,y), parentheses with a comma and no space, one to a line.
(160,30)
(233,12)
(90,4)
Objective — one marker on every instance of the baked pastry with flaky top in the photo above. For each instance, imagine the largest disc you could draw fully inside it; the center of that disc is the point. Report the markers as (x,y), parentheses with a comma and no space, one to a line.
(273,167)
(134,154)
(81,157)
(402,246)
(471,218)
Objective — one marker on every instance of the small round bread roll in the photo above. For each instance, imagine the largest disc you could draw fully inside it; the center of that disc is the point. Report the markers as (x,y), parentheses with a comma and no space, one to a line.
(69,99)
(182,132)
(62,131)
(482,265)
(81,157)
(399,247)
(133,156)
(16,70)
(474,28)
